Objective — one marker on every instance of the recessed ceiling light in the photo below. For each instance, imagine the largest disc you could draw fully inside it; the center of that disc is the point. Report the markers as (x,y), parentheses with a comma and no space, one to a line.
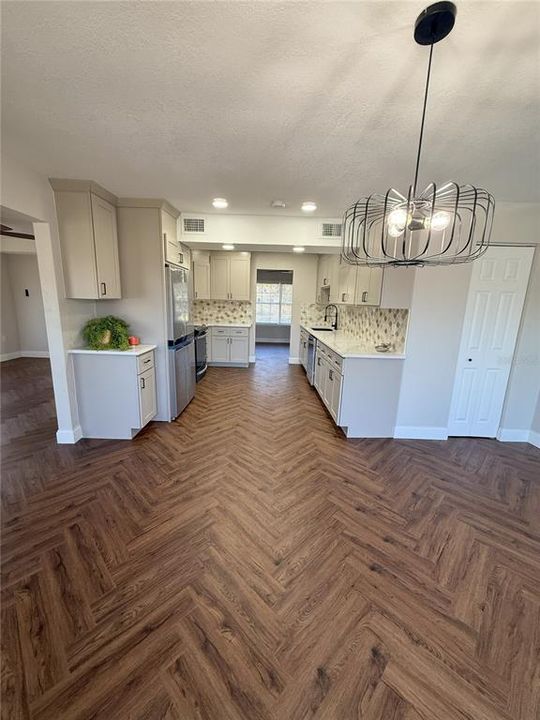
(278,204)
(220,203)
(228,247)
(298,249)
(309,206)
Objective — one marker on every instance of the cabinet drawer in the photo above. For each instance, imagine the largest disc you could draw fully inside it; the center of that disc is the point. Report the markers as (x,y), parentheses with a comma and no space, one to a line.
(145,362)
(220,331)
(239,331)
(335,359)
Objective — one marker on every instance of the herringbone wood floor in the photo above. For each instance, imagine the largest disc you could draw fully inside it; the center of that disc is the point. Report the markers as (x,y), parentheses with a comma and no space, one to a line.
(249,562)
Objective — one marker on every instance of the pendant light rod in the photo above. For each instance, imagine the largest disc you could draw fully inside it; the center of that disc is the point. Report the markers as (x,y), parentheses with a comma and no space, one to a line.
(423,121)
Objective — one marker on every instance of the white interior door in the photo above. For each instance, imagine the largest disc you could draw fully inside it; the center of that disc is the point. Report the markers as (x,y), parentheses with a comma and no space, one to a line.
(494,305)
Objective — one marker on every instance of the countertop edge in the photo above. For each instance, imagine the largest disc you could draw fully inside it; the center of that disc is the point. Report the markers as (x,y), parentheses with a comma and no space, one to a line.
(132,352)
(327,340)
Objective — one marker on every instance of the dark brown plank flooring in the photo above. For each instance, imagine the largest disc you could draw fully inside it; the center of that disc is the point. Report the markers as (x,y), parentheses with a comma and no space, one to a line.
(248,562)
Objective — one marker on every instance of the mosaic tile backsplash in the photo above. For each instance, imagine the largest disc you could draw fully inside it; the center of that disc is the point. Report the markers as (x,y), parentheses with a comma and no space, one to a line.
(206,312)
(371,325)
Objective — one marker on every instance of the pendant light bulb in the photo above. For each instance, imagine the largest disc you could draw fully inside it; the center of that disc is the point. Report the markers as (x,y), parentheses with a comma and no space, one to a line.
(397,218)
(440,220)
(395,230)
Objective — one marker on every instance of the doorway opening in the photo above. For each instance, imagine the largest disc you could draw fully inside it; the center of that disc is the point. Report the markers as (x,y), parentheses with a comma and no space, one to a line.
(273,313)
(27,396)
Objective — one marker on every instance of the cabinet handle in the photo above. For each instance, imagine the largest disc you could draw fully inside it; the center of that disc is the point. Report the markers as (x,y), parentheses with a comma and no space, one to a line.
(143,384)
(103,288)
(147,361)
(364,296)
(330,374)
(181,258)
(165,237)
(319,362)
(343,295)
(196,294)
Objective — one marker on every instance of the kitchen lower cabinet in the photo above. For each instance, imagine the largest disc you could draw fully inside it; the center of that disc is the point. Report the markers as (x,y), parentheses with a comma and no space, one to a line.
(229,346)
(116,391)
(361,394)
(303,349)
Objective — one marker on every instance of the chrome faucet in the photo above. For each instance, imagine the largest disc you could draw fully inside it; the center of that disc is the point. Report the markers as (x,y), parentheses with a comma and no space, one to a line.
(334,324)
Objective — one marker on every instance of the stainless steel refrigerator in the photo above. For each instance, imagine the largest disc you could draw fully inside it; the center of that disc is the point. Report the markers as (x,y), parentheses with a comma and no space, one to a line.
(182,371)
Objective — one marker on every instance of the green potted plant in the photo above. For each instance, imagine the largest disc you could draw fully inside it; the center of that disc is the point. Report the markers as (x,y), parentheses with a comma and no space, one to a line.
(106,333)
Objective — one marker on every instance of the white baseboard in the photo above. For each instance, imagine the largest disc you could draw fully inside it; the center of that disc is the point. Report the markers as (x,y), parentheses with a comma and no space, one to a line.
(35,353)
(10,356)
(294,361)
(534,438)
(24,353)
(69,437)
(408,432)
(511,435)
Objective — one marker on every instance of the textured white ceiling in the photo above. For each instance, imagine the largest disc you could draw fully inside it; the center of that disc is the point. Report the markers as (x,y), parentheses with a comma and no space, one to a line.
(261,100)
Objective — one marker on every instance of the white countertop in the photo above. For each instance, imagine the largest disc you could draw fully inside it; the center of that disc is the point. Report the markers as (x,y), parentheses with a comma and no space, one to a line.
(132,352)
(231,324)
(347,346)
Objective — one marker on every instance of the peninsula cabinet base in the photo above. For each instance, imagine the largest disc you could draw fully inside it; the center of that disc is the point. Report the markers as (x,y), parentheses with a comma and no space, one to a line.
(116,392)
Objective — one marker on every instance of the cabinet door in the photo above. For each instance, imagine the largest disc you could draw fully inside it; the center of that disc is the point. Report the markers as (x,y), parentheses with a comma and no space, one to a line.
(333,278)
(320,375)
(375,286)
(74,212)
(239,349)
(170,238)
(220,348)
(346,283)
(335,381)
(219,277)
(185,256)
(239,268)
(147,396)
(368,286)
(106,244)
(201,280)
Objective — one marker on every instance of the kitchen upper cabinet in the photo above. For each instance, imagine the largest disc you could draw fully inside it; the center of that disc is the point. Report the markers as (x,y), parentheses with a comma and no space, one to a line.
(219,277)
(88,240)
(368,285)
(346,283)
(201,275)
(239,277)
(230,276)
(174,252)
(327,278)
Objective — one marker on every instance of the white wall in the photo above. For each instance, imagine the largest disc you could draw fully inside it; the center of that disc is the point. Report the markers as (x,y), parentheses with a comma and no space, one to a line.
(28,192)
(22,275)
(10,345)
(143,301)
(436,319)
(524,382)
(265,230)
(434,334)
(304,268)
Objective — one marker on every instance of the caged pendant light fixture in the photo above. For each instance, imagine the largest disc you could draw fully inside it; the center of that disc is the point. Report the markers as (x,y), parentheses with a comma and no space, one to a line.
(436,226)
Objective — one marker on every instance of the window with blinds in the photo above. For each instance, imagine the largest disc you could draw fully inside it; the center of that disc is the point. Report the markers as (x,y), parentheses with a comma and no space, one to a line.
(274,297)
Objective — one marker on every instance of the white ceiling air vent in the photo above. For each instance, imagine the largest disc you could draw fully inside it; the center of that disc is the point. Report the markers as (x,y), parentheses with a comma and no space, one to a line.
(192,225)
(330,230)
